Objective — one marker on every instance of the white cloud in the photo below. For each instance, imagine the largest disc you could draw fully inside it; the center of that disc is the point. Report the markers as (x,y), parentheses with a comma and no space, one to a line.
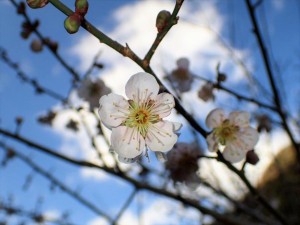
(160,212)
(98,221)
(135,25)
(278,4)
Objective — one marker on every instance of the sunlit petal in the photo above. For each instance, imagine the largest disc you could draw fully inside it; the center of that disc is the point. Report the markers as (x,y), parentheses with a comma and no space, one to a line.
(249,136)
(141,86)
(215,118)
(212,142)
(127,142)
(239,118)
(160,136)
(176,126)
(164,103)
(233,152)
(113,110)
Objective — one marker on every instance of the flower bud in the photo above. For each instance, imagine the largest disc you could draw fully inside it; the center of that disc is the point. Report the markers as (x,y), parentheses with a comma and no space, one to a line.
(81,7)
(183,63)
(252,157)
(36,45)
(206,92)
(21,8)
(73,22)
(35,4)
(53,45)
(162,19)
(221,77)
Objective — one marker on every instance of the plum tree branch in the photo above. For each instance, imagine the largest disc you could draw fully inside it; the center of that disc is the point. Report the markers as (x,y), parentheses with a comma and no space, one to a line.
(267,63)
(140,185)
(58,183)
(127,52)
(252,190)
(55,53)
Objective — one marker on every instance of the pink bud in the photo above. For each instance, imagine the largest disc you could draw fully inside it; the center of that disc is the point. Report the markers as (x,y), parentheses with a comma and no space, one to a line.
(36,45)
(73,22)
(81,7)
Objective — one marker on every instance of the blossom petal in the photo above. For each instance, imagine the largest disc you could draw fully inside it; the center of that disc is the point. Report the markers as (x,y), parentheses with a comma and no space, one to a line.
(233,152)
(249,136)
(215,118)
(239,118)
(113,110)
(141,86)
(127,142)
(212,142)
(164,103)
(161,136)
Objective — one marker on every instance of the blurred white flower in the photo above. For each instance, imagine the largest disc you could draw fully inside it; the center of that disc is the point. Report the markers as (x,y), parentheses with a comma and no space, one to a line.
(182,163)
(137,123)
(206,92)
(91,91)
(233,134)
(181,78)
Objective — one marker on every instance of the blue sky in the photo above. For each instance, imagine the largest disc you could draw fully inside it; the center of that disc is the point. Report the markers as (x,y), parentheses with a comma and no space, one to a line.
(132,21)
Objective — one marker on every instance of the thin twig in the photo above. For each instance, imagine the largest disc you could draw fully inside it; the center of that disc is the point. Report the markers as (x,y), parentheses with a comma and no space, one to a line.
(140,185)
(270,75)
(252,190)
(160,35)
(237,95)
(125,206)
(58,183)
(25,78)
(127,52)
(55,53)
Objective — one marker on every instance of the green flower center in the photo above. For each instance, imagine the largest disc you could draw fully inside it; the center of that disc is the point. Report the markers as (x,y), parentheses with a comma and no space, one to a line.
(141,116)
(226,132)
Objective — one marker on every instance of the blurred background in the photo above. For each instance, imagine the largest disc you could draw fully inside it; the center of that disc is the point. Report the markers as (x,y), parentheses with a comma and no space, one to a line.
(51,81)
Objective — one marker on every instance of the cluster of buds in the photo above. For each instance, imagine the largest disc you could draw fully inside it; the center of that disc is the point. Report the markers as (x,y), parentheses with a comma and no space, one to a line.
(35,4)
(73,22)
(28,28)
(53,45)
(48,118)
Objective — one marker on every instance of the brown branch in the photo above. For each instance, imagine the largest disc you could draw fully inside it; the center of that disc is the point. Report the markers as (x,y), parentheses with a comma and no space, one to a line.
(160,35)
(127,52)
(25,78)
(252,190)
(55,53)
(237,95)
(139,185)
(267,63)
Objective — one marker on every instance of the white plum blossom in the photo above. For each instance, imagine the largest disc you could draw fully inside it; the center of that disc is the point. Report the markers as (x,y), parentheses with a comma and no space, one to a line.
(232,133)
(138,123)
(181,78)
(91,90)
